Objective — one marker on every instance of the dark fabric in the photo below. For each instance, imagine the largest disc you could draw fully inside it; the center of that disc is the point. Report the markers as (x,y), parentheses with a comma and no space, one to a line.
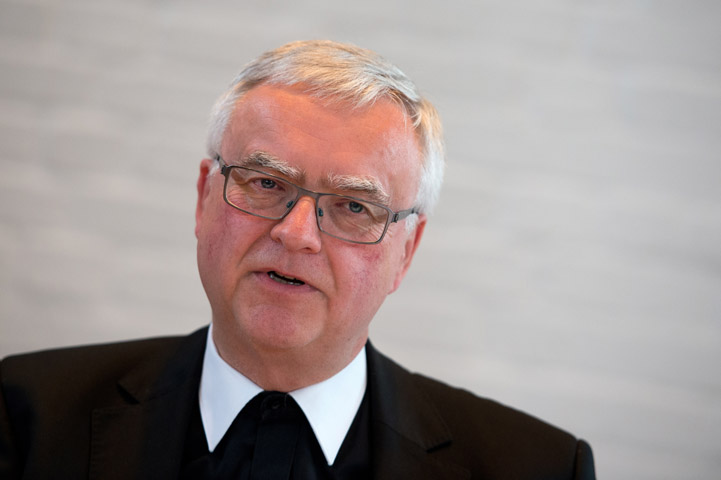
(196,445)
(260,443)
(124,411)
(353,461)
(242,447)
(279,423)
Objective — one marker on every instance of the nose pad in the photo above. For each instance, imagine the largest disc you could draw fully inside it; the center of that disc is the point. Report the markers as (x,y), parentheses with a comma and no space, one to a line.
(293,206)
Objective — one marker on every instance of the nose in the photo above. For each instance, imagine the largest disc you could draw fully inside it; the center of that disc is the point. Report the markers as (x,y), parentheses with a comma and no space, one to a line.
(298,230)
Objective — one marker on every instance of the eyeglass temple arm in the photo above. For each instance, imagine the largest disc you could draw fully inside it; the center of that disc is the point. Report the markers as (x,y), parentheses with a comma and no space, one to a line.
(398,216)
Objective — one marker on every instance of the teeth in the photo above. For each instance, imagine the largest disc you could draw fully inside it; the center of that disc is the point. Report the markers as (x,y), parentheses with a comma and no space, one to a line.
(285,280)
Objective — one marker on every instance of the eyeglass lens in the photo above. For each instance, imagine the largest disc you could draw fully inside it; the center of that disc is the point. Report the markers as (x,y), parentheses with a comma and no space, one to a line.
(271,197)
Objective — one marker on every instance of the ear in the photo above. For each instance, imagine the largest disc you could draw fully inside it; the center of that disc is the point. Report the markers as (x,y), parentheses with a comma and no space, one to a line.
(409,249)
(203,186)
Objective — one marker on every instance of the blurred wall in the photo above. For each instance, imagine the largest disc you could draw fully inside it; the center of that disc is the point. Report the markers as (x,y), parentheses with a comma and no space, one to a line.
(572,269)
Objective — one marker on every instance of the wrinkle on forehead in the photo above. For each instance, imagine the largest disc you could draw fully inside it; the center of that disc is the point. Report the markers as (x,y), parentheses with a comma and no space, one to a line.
(295,126)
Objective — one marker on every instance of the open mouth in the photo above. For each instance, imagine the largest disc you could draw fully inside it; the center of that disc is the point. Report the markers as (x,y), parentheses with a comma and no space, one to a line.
(284,280)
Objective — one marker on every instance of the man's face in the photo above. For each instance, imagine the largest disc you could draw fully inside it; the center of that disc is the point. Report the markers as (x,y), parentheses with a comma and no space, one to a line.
(243,259)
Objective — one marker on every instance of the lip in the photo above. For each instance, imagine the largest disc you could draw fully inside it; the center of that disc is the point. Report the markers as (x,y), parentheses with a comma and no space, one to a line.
(264,276)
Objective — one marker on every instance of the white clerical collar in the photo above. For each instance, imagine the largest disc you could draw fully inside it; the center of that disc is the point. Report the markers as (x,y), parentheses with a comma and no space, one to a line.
(330,405)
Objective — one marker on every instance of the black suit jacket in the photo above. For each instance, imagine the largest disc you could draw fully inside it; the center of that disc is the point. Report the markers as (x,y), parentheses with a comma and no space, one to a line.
(122,411)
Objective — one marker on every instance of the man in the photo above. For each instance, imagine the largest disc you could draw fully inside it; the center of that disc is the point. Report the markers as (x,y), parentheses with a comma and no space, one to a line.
(323,164)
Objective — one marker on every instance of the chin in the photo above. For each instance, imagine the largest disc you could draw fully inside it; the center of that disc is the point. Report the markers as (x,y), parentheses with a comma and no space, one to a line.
(280,330)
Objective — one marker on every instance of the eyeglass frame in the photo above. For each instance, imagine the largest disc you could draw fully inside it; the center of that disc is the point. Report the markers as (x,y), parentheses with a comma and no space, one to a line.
(393,217)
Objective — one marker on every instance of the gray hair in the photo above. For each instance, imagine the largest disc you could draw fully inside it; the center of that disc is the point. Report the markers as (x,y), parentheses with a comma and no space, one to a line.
(341,72)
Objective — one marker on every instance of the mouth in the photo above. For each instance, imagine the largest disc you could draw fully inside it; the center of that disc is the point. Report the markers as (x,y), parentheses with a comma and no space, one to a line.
(275,276)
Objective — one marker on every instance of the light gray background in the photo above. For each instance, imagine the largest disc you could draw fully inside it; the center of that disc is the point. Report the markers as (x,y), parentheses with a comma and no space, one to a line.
(572,269)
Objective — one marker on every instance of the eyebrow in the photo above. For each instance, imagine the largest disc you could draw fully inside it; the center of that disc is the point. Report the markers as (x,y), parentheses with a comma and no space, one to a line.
(367,186)
(370,187)
(266,160)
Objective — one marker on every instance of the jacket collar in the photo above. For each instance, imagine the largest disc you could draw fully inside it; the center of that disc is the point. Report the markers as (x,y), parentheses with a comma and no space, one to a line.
(143,437)
(406,429)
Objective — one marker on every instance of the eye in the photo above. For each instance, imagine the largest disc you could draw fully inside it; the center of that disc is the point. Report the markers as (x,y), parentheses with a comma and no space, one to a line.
(355,207)
(267,183)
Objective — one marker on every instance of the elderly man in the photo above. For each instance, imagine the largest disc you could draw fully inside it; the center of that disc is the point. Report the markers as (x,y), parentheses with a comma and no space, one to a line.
(323,163)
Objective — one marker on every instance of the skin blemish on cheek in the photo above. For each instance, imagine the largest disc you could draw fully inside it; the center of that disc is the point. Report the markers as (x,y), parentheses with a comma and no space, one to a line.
(373,259)
(373,255)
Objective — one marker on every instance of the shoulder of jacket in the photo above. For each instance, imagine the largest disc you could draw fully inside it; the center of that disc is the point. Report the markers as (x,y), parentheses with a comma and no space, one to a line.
(465,407)
(92,354)
(58,374)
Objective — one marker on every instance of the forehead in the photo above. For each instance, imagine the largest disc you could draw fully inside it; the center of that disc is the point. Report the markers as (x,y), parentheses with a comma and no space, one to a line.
(323,138)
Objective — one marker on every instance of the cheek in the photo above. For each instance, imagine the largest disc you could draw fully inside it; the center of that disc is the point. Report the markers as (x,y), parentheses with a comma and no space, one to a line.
(211,240)
(367,276)
(208,261)
(220,247)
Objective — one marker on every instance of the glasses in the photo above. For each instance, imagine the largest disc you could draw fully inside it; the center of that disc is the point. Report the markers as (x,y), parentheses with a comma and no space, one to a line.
(267,196)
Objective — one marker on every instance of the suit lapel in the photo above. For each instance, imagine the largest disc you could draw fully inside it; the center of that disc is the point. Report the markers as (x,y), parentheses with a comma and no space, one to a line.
(144,437)
(406,428)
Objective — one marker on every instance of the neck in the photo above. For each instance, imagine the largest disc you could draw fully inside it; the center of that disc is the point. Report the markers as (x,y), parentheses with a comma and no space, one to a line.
(285,369)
